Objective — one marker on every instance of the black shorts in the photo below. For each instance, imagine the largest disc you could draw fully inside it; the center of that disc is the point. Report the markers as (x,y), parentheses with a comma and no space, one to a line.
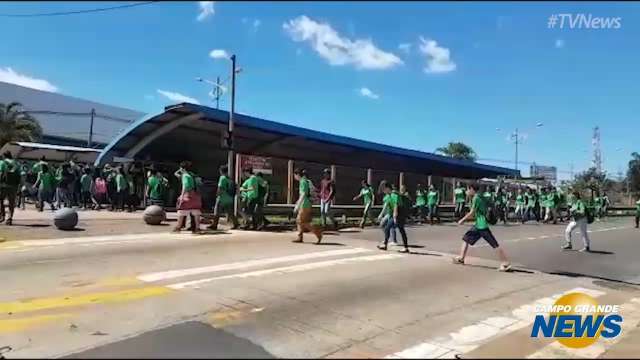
(474,234)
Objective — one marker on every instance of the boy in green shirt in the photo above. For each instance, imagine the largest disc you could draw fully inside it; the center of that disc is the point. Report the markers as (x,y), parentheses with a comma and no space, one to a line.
(367,195)
(303,208)
(156,187)
(225,195)
(396,209)
(421,202)
(520,205)
(433,200)
(86,182)
(46,185)
(637,212)
(9,184)
(579,214)
(460,194)
(479,210)
(249,194)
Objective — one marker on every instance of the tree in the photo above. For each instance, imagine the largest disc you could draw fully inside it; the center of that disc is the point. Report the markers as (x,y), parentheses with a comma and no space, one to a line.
(16,125)
(633,173)
(592,181)
(458,150)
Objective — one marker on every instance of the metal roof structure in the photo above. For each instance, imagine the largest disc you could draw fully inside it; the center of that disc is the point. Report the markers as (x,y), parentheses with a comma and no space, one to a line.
(34,151)
(187,130)
(65,120)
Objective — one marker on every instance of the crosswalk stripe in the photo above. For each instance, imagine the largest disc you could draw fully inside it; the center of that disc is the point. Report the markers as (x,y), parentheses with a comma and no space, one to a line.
(470,337)
(286,269)
(631,314)
(172,274)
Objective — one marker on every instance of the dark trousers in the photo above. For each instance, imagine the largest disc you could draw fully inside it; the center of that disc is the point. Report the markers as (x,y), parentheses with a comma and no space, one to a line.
(9,193)
(399,224)
(249,211)
(45,196)
(637,219)
(422,212)
(220,209)
(459,210)
(433,212)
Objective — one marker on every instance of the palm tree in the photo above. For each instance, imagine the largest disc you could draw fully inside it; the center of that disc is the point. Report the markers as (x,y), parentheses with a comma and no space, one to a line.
(17,125)
(458,150)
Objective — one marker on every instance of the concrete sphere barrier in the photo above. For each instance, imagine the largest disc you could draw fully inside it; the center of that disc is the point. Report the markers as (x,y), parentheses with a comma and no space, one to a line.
(154,215)
(65,219)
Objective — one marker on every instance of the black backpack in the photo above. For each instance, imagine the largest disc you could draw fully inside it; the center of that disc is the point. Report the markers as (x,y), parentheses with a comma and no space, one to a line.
(11,177)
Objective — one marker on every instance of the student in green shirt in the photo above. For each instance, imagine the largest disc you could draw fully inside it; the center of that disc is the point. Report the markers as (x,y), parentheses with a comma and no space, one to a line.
(46,184)
(156,188)
(433,200)
(224,200)
(579,214)
(385,214)
(303,207)
(367,195)
(396,208)
(189,202)
(121,188)
(249,194)
(520,205)
(605,204)
(637,212)
(460,194)
(9,185)
(86,183)
(479,210)
(421,202)
(501,205)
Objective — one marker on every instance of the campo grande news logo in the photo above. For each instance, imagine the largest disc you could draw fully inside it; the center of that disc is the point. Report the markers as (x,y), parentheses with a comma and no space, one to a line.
(576,320)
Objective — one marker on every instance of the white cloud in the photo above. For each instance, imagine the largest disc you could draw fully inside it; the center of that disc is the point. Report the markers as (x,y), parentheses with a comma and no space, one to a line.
(339,50)
(559,44)
(178,98)
(8,75)
(206,9)
(405,47)
(438,58)
(368,93)
(219,54)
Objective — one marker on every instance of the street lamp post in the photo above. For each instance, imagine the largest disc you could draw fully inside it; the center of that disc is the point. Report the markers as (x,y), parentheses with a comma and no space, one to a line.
(231,113)
(516,135)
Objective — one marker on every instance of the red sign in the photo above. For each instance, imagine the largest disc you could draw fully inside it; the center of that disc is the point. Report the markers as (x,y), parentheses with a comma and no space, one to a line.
(257,163)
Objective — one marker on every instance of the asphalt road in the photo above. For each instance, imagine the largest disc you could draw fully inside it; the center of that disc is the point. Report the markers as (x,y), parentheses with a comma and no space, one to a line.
(247,294)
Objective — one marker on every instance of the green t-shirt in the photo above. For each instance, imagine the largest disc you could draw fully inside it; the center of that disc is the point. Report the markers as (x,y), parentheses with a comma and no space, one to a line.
(638,207)
(578,210)
(253,183)
(85,183)
(224,184)
(156,187)
(188,182)
(47,181)
(433,198)
(571,199)
(479,205)
(500,199)
(531,200)
(367,195)
(460,194)
(37,167)
(598,202)
(305,193)
(7,165)
(421,197)
(520,199)
(394,200)
(121,183)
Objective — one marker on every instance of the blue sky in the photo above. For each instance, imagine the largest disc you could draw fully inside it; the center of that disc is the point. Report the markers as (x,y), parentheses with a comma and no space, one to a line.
(411,74)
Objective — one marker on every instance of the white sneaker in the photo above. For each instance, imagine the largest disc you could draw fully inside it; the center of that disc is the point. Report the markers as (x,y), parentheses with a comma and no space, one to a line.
(504,267)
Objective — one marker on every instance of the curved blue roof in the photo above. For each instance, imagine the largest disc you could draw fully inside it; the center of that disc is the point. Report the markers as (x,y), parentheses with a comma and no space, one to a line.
(139,129)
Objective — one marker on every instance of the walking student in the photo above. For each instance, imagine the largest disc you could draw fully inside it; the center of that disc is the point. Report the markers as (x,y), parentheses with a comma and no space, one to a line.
(520,204)
(397,210)
(99,191)
(480,229)
(421,203)
(45,184)
(637,212)
(433,200)
(249,194)
(86,183)
(367,195)
(460,194)
(64,179)
(303,208)
(156,187)
(580,221)
(224,200)
(121,189)
(189,202)
(327,194)
(9,184)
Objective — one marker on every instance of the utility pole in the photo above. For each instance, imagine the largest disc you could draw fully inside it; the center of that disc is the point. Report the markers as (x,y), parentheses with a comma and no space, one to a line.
(230,142)
(218,92)
(517,149)
(90,142)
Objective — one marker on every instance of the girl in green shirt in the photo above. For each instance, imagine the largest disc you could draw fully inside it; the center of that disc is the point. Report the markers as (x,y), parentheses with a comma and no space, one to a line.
(367,195)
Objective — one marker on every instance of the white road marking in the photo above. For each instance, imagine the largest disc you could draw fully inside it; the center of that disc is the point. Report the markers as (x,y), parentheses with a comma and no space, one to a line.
(103,239)
(631,313)
(544,237)
(286,269)
(470,337)
(531,238)
(172,274)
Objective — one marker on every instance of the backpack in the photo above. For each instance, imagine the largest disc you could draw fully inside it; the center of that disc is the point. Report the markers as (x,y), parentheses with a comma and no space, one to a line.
(590,215)
(492,217)
(12,176)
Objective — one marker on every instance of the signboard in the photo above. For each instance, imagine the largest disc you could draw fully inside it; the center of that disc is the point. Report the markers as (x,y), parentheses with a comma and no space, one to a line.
(550,173)
(257,163)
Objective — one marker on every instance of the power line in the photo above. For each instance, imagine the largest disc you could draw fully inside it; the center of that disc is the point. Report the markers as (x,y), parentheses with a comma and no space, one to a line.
(48,112)
(78,11)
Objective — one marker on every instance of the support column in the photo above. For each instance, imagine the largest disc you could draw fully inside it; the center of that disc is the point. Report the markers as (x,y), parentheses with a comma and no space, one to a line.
(453,190)
(290,182)
(401,180)
(238,179)
(370,176)
(333,177)
(429,180)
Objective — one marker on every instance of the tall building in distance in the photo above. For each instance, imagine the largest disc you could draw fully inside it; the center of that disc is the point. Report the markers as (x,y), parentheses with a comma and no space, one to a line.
(549,173)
